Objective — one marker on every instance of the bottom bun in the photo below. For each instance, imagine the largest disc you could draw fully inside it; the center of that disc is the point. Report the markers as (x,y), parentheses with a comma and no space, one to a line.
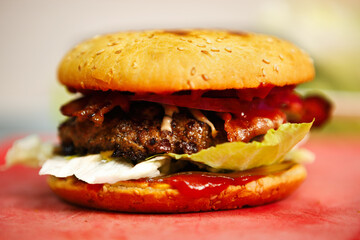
(145,196)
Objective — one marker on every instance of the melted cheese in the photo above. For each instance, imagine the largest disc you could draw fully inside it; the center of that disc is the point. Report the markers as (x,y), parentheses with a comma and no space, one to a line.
(198,115)
(167,119)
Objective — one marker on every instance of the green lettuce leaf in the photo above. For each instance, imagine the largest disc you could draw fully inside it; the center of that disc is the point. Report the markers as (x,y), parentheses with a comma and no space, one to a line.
(240,156)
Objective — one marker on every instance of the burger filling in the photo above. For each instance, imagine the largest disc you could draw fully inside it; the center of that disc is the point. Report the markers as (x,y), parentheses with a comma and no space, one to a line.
(136,127)
(115,136)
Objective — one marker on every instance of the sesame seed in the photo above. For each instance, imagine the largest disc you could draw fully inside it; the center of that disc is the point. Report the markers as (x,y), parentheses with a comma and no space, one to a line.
(267,61)
(79,68)
(193,71)
(204,51)
(281,57)
(134,65)
(200,45)
(113,43)
(228,49)
(100,51)
(189,40)
(215,50)
(219,39)
(180,48)
(182,39)
(205,77)
(151,36)
(82,84)
(208,41)
(263,72)
(118,51)
(276,68)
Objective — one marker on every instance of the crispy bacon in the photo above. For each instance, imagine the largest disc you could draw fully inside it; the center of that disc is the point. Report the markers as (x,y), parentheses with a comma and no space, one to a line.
(246,126)
(94,107)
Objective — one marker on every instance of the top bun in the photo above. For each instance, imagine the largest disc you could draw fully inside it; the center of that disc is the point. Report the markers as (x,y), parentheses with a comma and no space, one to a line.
(163,61)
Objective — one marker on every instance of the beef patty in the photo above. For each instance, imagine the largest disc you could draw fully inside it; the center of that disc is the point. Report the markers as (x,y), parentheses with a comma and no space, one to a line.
(137,135)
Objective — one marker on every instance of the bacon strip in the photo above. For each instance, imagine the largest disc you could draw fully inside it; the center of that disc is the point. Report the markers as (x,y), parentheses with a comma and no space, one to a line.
(94,107)
(245,126)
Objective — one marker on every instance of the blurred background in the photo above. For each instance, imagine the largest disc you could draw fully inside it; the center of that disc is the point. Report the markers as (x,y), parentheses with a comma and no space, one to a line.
(36,34)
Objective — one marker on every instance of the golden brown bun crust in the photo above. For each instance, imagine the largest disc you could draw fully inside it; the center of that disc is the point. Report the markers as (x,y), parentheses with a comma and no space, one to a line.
(130,196)
(170,61)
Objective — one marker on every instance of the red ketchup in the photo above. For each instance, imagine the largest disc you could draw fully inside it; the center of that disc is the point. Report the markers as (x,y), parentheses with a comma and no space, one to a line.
(197,185)
(94,187)
(205,184)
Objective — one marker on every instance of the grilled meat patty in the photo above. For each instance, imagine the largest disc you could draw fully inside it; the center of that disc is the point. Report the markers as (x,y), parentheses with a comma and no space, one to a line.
(137,134)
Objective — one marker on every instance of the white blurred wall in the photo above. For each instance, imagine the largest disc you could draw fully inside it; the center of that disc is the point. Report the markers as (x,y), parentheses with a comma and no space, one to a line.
(35,34)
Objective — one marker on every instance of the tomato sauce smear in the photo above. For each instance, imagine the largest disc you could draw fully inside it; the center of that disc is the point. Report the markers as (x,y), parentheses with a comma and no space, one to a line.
(206,184)
(198,185)
(195,184)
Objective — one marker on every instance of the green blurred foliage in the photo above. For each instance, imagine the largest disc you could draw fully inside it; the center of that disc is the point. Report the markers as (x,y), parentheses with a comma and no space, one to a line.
(329,30)
(341,74)
(340,125)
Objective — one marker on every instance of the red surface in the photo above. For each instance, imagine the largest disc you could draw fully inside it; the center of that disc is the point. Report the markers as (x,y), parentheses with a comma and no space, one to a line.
(326,206)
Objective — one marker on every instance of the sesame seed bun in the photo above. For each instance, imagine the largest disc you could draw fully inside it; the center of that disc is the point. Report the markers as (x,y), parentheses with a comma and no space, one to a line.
(170,61)
(142,196)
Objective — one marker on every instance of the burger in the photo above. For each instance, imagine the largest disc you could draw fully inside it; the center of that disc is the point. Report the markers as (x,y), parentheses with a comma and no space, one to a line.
(181,121)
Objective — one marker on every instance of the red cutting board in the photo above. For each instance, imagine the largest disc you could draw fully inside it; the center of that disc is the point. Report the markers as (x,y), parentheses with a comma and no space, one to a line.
(326,206)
